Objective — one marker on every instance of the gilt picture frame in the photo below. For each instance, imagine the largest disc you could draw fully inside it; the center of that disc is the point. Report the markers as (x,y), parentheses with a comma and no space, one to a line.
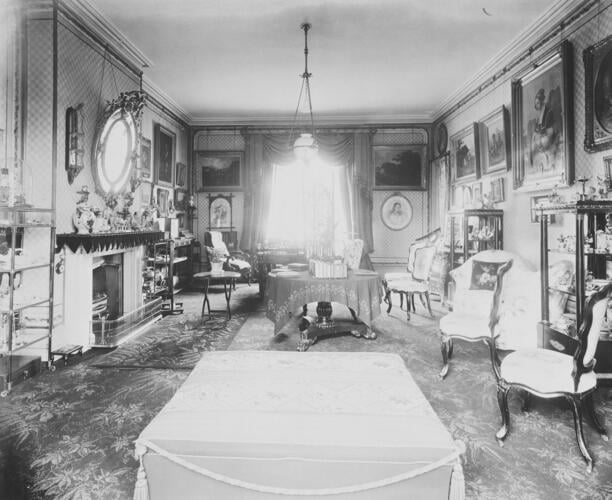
(181,175)
(400,167)
(220,212)
(494,141)
(396,212)
(219,170)
(542,121)
(145,158)
(598,95)
(464,154)
(165,152)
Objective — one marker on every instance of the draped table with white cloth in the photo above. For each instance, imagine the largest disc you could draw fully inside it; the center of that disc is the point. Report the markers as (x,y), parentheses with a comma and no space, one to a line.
(287,292)
(274,425)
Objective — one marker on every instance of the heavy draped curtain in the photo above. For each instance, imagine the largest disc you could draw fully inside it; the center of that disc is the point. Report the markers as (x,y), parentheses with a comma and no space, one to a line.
(352,150)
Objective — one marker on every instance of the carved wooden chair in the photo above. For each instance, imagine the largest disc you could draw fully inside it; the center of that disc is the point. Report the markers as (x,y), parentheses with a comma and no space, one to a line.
(415,280)
(551,374)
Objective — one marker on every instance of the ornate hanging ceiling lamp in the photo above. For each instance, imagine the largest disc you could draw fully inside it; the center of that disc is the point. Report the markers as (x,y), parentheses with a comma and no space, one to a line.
(305,147)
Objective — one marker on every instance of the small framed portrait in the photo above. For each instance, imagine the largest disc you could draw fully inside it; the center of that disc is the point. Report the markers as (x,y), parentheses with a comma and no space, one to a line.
(400,167)
(467,197)
(162,196)
(146,190)
(535,203)
(165,141)
(476,193)
(219,170)
(542,117)
(180,200)
(494,141)
(145,158)
(181,175)
(220,212)
(497,191)
(465,160)
(598,95)
(396,212)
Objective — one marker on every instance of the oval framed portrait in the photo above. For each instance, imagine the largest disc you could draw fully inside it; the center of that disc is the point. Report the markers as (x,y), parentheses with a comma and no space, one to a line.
(396,212)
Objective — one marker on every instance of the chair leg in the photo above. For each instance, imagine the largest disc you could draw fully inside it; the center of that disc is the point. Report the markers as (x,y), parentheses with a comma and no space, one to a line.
(428,303)
(576,404)
(588,400)
(502,401)
(409,304)
(388,300)
(526,402)
(401,300)
(446,347)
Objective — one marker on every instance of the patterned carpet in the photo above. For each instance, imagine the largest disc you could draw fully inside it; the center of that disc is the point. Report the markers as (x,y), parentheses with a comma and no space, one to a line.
(69,434)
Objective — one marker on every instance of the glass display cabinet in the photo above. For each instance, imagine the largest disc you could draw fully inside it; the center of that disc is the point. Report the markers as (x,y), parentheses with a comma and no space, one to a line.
(27,247)
(470,231)
(589,246)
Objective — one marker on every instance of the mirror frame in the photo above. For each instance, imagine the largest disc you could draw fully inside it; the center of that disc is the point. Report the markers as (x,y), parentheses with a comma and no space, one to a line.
(127,109)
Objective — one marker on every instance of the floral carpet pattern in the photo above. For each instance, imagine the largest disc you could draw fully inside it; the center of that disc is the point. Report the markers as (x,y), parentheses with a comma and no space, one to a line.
(69,434)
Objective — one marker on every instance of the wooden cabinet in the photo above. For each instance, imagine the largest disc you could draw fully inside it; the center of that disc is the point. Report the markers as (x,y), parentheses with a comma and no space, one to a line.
(471,231)
(590,247)
(27,249)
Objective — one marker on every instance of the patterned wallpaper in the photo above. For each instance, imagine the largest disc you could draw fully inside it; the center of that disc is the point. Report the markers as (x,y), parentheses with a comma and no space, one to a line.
(520,234)
(392,246)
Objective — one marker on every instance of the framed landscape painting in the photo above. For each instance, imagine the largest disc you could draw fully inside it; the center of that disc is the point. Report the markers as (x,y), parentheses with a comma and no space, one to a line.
(494,137)
(598,95)
(400,167)
(542,117)
(466,163)
(219,170)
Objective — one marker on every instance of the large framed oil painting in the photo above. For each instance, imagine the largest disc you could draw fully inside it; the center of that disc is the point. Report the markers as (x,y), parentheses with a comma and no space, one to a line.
(219,170)
(494,140)
(542,117)
(400,167)
(464,154)
(598,95)
(165,141)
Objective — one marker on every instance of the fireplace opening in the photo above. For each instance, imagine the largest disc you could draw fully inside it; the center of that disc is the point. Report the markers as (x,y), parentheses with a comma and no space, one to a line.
(107,293)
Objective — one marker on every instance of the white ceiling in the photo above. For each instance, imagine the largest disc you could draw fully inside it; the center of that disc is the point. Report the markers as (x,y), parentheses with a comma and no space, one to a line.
(386,60)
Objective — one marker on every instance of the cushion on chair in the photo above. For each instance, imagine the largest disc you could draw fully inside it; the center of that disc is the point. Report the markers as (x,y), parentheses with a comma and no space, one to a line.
(397,276)
(465,325)
(484,275)
(423,259)
(215,254)
(408,285)
(545,371)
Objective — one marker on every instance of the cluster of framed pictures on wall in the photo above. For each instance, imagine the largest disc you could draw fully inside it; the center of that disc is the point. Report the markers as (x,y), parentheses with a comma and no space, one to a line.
(472,195)
(165,181)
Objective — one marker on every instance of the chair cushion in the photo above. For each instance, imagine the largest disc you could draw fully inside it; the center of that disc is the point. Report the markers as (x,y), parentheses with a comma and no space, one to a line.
(465,325)
(545,371)
(484,275)
(397,276)
(216,254)
(408,285)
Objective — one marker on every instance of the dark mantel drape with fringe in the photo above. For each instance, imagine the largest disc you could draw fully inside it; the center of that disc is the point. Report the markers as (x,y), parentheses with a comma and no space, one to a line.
(351,149)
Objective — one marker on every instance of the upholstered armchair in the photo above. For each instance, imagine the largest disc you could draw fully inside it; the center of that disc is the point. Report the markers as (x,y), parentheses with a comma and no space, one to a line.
(236,261)
(473,284)
(547,373)
(415,280)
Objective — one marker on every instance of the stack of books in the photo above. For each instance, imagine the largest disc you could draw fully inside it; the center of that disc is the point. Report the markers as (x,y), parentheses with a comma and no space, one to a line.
(328,269)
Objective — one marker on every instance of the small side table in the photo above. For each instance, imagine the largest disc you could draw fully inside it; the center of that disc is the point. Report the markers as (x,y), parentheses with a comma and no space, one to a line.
(228,278)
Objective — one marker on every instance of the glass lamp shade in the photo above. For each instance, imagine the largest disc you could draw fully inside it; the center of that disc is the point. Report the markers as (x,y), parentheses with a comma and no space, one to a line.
(305,147)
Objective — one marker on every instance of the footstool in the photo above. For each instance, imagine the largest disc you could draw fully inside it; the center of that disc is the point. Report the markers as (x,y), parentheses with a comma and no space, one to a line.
(259,425)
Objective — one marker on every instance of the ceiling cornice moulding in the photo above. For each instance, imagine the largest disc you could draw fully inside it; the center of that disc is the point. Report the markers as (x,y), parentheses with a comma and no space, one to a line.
(554,17)
(99,25)
(162,100)
(326,120)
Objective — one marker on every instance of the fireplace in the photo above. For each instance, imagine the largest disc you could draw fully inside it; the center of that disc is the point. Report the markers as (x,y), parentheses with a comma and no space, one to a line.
(103,299)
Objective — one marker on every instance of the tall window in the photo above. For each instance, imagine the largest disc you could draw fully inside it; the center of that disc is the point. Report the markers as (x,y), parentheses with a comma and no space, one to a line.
(309,207)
